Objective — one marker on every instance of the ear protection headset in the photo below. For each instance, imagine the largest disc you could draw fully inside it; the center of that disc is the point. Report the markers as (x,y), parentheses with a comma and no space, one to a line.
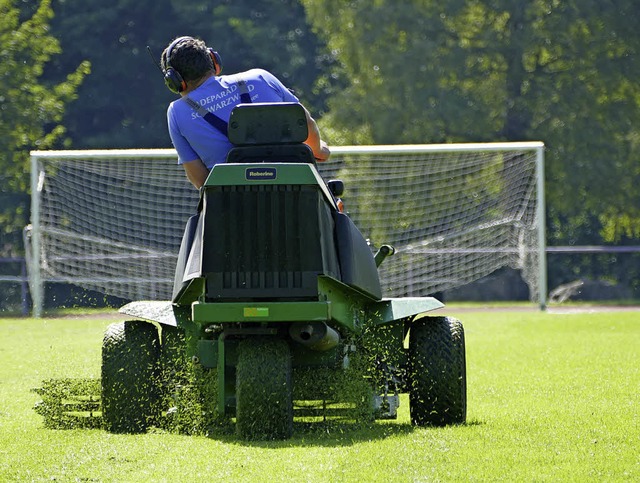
(172,77)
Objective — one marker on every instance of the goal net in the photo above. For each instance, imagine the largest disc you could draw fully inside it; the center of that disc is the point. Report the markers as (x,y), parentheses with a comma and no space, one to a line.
(112,220)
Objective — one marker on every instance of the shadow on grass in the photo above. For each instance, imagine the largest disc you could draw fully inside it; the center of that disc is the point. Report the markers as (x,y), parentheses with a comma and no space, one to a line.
(75,404)
(321,434)
(337,434)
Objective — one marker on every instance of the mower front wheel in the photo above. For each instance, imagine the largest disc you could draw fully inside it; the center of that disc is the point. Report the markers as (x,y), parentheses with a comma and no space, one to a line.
(264,404)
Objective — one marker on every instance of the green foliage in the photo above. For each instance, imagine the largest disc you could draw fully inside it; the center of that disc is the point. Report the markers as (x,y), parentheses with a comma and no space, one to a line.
(561,72)
(378,72)
(494,70)
(124,105)
(403,87)
(31,111)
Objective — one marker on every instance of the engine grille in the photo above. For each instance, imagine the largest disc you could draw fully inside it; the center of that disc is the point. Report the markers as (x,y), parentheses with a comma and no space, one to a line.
(266,241)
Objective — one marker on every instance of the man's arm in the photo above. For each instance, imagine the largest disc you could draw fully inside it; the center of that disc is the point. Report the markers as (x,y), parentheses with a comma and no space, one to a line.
(197,172)
(320,149)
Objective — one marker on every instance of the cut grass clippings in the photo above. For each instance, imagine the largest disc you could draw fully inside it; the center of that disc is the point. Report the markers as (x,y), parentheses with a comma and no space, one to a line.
(551,398)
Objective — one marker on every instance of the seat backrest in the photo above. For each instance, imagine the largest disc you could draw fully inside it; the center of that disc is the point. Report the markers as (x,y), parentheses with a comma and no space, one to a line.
(268,124)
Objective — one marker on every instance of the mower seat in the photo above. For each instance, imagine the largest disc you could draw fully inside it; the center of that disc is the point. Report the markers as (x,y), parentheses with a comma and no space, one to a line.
(269,132)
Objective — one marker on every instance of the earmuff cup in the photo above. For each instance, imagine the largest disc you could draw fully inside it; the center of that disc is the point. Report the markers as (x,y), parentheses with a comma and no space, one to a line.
(172,78)
(174,81)
(217,61)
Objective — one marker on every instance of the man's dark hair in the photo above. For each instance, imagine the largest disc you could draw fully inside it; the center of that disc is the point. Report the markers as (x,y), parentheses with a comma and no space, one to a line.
(190,58)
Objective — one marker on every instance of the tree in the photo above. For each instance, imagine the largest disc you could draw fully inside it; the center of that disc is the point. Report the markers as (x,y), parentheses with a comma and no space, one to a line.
(30,111)
(398,59)
(496,70)
(125,103)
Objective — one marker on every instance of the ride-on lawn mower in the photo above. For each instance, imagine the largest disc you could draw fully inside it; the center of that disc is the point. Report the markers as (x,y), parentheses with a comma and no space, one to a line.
(277,309)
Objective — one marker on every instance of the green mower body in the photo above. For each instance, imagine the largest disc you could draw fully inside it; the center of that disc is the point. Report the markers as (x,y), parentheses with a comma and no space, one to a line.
(277,309)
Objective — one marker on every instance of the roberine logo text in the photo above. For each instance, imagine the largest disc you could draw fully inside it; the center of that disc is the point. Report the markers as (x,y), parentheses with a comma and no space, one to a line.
(259,174)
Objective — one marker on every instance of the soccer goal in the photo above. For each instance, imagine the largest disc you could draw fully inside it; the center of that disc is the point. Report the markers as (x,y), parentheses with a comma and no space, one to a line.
(112,220)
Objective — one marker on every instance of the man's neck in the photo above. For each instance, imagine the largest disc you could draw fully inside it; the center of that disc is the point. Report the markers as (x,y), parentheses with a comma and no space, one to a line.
(193,85)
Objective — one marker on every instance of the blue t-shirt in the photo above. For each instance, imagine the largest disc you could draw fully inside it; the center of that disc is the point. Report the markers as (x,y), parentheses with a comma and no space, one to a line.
(193,137)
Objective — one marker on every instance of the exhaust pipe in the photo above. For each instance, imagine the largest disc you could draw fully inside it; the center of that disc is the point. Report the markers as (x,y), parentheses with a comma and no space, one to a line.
(317,336)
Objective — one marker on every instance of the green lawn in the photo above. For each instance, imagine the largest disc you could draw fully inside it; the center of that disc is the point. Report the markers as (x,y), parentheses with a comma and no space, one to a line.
(551,398)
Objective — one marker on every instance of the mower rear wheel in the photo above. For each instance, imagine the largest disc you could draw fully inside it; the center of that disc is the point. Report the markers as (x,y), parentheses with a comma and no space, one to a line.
(264,404)
(130,399)
(437,370)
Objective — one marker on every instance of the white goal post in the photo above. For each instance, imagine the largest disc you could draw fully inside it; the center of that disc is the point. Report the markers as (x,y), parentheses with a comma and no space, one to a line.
(112,220)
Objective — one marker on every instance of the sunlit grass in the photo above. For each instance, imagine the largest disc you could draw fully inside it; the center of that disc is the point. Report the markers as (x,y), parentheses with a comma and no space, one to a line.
(551,398)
